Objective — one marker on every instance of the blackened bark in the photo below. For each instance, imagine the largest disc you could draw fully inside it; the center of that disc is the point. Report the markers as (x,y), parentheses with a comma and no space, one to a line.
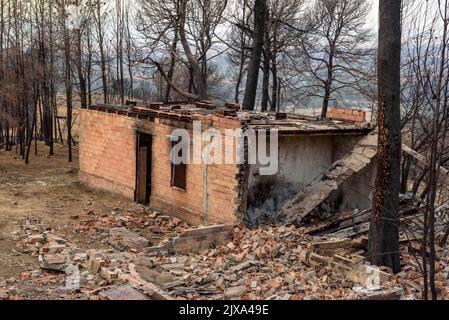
(260,7)
(266,84)
(171,71)
(69,93)
(274,71)
(266,64)
(239,78)
(384,231)
(89,72)
(328,85)
(79,67)
(104,76)
(327,96)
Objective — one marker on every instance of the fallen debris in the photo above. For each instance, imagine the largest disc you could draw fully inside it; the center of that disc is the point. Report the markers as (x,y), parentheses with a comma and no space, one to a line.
(195,240)
(355,225)
(136,281)
(422,159)
(218,262)
(122,293)
(317,192)
(54,262)
(387,294)
(234,292)
(345,260)
(4,294)
(123,239)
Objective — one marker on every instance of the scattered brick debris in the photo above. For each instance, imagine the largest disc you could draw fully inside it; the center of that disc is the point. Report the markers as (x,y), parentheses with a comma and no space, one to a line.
(208,262)
(124,292)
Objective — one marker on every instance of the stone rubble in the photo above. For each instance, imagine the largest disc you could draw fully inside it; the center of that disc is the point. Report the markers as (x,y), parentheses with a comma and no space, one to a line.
(270,263)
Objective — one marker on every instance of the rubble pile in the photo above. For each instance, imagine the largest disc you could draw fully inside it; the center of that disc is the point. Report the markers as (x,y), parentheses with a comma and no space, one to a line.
(69,270)
(312,197)
(156,226)
(354,224)
(411,279)
(256,264)
(275,263)
(149,256)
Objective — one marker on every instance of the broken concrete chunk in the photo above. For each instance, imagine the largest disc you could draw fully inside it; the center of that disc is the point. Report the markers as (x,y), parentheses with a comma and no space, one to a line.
(384,294)
(124,239)
(135,279)
(241,266)
(234,292)
(195,240)
(72,277)
(331,244)
(56,248)
(205,231)
(55,262)
(164,280)
(54,238)
(278,298)
(170,267)
(37,238)
(123,293)
(94,265)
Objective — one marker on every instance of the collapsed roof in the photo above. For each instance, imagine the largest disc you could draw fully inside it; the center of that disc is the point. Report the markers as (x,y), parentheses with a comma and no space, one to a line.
(284,123)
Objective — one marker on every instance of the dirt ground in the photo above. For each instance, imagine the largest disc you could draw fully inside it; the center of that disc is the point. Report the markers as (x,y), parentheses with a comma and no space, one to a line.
(46,190)
(45,208)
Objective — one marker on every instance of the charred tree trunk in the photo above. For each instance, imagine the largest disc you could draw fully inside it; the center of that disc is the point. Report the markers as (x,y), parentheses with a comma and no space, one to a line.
(328,84)
(274,71)
(171,71)
(266,64)
(260,7)
(239,76)
(79,67)
(384,231)
(103,67)
(89,71)
(69,92)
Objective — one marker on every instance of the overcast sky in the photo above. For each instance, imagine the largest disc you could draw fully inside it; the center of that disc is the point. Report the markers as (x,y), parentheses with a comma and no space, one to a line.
(374,16)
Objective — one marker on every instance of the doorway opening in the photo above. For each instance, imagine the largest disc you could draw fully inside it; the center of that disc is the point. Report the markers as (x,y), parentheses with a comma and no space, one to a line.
(143,175)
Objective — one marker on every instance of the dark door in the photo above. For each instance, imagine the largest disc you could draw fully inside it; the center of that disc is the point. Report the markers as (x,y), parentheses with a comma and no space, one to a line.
(143,178)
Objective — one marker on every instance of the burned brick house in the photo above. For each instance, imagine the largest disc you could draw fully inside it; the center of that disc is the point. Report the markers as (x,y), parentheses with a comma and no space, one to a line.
(127,151)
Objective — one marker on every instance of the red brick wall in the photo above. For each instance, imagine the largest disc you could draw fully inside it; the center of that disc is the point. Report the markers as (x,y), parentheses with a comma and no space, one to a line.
(347,114)
(107,161)
(218,205)
(107,152)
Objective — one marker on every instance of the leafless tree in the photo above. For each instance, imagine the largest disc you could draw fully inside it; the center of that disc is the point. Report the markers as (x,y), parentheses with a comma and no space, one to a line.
(426,92)
(238,39)
(336,48)
(284,26)
(189,25)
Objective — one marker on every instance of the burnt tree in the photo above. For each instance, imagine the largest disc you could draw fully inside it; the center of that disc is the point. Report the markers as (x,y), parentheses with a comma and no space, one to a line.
(260,7)
(384,231)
